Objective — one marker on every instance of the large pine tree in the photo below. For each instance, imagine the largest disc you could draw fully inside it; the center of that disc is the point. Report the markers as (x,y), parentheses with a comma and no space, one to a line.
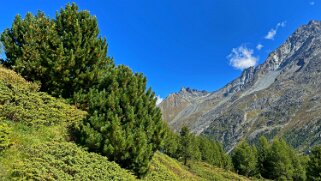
(64,54)
(124,123)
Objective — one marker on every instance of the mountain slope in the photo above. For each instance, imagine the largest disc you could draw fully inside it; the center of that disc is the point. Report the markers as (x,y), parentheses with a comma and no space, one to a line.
(279,97)
(35,143)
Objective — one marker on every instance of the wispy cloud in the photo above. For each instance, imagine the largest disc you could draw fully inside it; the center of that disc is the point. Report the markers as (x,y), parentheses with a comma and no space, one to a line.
(242,58)
(159,100)
(312,3)
(259,46)
(271,34)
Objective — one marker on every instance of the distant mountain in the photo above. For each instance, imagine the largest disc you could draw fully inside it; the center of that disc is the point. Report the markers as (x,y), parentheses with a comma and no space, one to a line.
(281,97)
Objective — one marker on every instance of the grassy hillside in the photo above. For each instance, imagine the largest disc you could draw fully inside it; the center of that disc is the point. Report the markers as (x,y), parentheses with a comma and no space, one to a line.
(34,132)
(165,168)
(35,144)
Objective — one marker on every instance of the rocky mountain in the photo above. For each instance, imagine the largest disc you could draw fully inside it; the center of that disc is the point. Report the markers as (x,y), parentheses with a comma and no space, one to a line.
(281,97)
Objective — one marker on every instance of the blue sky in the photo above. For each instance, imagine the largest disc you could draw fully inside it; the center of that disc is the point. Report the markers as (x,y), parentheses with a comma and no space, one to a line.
(202,44)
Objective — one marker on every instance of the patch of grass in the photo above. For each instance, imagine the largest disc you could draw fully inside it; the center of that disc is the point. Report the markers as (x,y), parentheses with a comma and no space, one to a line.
(165,168)
(209,172)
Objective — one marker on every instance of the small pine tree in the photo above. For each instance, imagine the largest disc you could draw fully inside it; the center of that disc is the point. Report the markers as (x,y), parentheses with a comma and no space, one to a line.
(244,158)
(314,164)
(195,144)
(263,153)
(185,144)
(171,144)
(207,149)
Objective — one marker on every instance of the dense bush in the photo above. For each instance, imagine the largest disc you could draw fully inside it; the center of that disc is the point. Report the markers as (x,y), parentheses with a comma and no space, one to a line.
(66,161)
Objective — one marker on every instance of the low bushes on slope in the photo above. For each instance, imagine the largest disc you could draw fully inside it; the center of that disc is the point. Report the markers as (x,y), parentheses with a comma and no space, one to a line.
(66,161)
(165,168)
(20,102)
(35,126)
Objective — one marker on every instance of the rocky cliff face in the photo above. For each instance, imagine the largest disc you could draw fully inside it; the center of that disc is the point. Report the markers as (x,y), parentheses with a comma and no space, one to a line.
(281,97)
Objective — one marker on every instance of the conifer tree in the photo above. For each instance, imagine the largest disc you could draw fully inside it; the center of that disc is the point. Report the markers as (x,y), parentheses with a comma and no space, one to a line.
(244,158)
(314,164)
(185,144)
(64,54)
(263,153)
(171,143)
(279,161)
(124,123)
(195,148)
(208,150)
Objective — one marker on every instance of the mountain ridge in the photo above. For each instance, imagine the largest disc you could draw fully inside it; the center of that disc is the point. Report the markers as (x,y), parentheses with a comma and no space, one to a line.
(293,67)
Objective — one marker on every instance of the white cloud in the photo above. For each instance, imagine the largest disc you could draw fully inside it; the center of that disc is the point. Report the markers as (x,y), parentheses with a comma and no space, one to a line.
(271,34)
(259,46)
(312,3)
(159,100)
(281,24)
(242,58)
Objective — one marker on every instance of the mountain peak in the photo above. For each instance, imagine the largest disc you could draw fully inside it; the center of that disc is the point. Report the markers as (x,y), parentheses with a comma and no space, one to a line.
(314,22)
(279,95)
(190,90)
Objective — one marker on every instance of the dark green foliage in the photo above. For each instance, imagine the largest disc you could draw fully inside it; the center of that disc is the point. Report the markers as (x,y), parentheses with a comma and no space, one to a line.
(66,161)
(213,153)
(185,149)
(188,146)
(244,158)
(263,153)
(124,123)
(171,144)
(195,146)
(278,161)
(65,55)
(275,161)
(314,164)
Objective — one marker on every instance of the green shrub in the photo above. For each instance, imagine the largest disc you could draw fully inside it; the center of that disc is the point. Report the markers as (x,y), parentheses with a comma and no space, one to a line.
(5,131)
(66,161)
(20,102)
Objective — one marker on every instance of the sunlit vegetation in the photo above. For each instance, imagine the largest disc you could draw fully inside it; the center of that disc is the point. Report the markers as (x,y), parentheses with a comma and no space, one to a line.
(72,114)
